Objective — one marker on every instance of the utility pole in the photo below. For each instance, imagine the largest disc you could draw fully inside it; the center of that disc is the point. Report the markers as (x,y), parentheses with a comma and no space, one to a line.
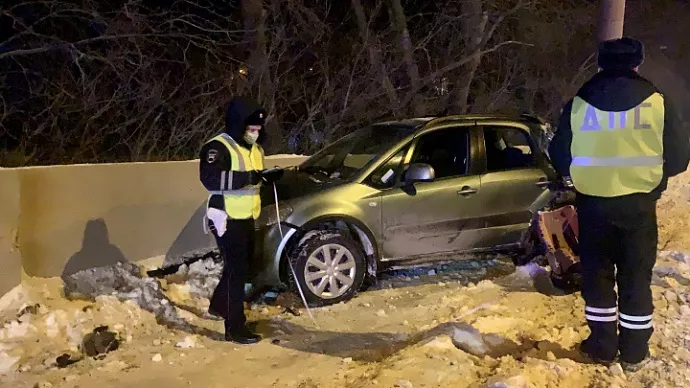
(611,18)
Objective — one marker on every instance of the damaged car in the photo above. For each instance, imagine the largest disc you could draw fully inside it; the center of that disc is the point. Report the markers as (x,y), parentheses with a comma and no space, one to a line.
(403,193)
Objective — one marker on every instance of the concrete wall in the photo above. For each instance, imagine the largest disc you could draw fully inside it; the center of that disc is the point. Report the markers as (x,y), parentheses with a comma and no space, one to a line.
(74,217)
(10,259)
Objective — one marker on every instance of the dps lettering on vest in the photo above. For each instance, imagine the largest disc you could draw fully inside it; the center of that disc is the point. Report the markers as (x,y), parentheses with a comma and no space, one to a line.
(617,153)
(244,203)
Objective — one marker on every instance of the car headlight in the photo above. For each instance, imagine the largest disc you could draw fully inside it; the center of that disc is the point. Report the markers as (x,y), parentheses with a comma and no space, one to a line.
(269,217)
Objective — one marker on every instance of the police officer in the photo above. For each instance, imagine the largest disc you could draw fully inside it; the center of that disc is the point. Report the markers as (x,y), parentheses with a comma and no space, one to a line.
(231,168)
(619,140)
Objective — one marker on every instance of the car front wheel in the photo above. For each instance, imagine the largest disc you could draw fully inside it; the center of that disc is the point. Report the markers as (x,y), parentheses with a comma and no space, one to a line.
(329,267)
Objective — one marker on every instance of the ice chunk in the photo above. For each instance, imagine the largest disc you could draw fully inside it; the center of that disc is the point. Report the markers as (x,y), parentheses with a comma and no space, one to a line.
(188,342)
(470,340)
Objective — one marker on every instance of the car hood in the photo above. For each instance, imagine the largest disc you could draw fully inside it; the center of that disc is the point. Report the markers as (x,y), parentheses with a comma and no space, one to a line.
(295,184)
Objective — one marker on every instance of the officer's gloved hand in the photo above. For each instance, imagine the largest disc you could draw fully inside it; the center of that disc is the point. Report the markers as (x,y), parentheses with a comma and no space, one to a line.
(272,175)
(253,178)
(218,219)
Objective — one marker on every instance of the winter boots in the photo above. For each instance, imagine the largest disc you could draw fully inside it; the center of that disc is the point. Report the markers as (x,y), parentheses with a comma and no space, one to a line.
(626,366)
(632,368)
(241,335)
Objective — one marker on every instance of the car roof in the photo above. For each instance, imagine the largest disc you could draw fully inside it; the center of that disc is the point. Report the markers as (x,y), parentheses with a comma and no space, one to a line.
(419,122)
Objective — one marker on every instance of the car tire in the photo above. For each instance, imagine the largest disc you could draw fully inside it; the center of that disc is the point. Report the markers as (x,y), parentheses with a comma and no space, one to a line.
(310,257)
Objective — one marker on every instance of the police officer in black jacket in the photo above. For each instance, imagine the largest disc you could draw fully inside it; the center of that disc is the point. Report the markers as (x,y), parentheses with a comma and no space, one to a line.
(231,168)
(619,140)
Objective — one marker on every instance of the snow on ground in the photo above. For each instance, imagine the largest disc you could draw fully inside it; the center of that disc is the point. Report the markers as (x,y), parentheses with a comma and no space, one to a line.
(476,323)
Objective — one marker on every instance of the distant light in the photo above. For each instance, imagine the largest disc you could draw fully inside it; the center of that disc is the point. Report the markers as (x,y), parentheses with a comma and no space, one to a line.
(243,71)
(311,69)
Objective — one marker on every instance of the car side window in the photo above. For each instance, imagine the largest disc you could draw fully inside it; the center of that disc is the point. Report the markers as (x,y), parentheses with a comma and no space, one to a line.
(446,150)
(507,148)
(386,175)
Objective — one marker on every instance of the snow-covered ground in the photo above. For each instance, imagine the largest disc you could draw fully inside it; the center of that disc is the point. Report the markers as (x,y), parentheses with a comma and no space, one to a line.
(432,327)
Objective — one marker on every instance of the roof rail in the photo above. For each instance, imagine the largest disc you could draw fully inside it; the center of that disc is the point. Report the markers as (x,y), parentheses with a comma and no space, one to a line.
(441,119)
(533,118)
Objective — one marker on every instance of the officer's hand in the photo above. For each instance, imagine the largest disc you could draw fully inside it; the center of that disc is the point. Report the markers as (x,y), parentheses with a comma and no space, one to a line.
(254,178)
(272,175)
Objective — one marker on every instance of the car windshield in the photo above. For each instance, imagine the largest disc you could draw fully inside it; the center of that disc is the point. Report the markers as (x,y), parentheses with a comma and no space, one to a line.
(353,152)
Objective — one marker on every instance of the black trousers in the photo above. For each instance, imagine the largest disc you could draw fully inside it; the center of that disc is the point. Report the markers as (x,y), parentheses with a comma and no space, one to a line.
(618,245)
(236,248)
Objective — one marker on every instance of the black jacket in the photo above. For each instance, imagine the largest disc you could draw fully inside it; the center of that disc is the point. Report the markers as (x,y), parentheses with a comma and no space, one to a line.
(619,91)
(214,158)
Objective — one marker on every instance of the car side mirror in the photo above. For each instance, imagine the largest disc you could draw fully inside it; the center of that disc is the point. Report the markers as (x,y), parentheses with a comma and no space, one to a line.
(419,172)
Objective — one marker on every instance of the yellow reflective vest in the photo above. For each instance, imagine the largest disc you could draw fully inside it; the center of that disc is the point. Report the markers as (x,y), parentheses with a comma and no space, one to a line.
(243,203)
(617,153)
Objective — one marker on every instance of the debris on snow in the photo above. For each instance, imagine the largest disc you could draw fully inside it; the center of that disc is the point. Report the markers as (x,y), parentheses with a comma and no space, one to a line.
(29,309)
(470,340)
(188,342)
(66,359)
(99,342)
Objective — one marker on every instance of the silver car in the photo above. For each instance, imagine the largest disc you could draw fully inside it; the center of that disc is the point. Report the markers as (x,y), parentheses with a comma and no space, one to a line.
(401,193)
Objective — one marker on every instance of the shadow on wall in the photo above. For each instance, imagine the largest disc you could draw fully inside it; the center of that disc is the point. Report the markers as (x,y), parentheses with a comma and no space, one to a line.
(191,239)
(96,250)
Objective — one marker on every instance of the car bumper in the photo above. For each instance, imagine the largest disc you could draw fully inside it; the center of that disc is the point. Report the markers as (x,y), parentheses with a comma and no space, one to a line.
(268,248)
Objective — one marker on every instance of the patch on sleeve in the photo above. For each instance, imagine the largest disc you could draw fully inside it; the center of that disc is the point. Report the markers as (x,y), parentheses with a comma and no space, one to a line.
(211,156)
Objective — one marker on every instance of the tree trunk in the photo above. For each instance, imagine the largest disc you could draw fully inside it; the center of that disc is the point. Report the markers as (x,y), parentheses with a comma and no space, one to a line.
(473,27)
(371,44)
(400,25)
(259,72)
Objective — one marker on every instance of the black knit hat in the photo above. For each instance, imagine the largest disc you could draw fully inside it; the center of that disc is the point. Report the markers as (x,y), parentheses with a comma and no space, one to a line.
(624,53)
(256,118)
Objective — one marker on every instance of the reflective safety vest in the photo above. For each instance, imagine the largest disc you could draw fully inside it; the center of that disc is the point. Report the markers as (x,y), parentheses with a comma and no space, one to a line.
(617,153)
(244,203)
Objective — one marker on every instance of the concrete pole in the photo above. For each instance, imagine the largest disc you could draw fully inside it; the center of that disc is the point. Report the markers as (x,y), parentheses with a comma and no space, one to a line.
(611,18)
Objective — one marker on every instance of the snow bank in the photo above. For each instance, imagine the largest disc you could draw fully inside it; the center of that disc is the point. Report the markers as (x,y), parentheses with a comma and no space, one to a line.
(125,282)
(199,278)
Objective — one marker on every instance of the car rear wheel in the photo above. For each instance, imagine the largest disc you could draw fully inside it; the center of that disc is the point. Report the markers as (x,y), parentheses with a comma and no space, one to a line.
(329,267)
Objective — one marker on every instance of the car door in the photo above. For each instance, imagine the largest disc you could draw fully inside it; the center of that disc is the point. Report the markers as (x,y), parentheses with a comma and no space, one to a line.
(510,183)
(433,217)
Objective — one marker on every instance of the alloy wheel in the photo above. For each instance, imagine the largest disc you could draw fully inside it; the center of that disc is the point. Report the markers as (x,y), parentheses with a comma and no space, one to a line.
(330,271)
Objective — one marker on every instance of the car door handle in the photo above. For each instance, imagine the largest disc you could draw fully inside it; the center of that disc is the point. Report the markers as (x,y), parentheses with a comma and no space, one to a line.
(542,183)
(466,190)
